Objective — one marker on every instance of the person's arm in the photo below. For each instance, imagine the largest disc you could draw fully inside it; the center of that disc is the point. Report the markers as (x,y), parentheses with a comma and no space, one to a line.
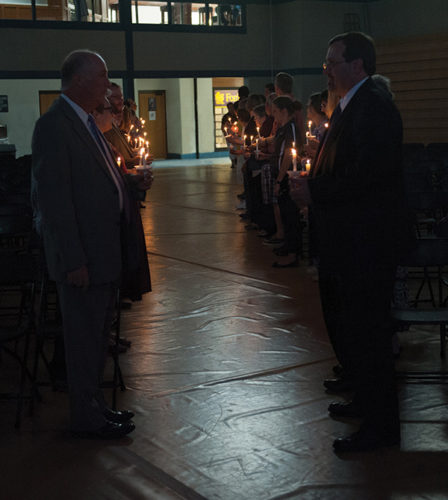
(284,167)
(52,170)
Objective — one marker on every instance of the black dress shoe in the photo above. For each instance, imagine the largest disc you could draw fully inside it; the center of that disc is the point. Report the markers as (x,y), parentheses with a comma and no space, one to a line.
(351,409)
(118,417)
(110,430)
(339,385)
(364,441)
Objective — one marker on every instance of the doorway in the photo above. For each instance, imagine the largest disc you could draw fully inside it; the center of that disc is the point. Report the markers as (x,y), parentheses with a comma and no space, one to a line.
(152,108)
(46,99)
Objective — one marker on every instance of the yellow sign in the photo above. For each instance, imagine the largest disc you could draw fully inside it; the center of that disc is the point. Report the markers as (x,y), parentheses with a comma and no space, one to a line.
(222,97)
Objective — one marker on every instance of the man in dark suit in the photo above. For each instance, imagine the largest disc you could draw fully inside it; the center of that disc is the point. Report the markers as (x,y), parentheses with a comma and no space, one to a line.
(358,202)
(82,201)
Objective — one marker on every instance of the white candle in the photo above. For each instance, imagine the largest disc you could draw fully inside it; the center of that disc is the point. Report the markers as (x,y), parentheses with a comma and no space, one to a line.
(258,131)
(119,161)
(308,166)
(294,159)
(142,152)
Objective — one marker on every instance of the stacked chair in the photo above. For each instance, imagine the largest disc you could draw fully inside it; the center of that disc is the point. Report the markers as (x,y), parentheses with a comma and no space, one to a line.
(426,182)
(18,280)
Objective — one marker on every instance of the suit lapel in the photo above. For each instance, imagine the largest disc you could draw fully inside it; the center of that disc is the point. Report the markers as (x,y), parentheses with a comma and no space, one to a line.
(80,129)
(327,147)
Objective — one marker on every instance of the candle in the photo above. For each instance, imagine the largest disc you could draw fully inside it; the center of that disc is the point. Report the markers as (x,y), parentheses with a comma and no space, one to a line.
(310,123)
(119,161)
(142,150)
(256,148)
(294,159)
(245,136)
(142,121)
(308,166)
(251,139)
(326,125)
(258,131)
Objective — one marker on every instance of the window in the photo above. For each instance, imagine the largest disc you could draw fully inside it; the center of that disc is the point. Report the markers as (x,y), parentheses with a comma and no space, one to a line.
(182,13)
(96,11)
(225,14)
(146,12)
(188,13)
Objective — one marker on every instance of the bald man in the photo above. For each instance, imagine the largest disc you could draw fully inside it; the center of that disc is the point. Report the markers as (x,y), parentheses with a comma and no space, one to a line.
(82,201)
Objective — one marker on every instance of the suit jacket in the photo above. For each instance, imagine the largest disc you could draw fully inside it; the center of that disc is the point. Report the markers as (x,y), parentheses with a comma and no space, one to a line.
(76,197)
(356,185)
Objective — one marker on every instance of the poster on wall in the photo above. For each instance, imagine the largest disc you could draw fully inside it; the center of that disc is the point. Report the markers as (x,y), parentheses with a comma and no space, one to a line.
(152,108)
(221,97)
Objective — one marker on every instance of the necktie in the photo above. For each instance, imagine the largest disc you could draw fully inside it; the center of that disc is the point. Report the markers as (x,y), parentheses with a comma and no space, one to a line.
(333,120)
(113,169)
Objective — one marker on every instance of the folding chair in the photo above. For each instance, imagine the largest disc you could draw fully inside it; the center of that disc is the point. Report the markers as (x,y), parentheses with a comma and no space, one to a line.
(17,288)
(429,253)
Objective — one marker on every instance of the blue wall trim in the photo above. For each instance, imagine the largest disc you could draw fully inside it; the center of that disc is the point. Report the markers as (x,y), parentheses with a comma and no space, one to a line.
(192,156)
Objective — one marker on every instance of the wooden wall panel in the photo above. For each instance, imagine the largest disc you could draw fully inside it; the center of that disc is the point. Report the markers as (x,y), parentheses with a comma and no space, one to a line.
(418,70)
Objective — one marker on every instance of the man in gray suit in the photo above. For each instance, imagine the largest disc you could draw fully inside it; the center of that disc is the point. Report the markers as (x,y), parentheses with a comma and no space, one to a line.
(83,203)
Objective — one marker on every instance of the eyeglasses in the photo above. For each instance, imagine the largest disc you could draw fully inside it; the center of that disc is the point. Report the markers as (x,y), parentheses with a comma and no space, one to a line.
(331,64)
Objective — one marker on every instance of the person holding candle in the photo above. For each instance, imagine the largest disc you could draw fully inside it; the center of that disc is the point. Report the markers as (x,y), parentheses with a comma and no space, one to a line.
(357,195)
(258,208)
(283,110)
(115,135)
(316,116)
(284,87)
